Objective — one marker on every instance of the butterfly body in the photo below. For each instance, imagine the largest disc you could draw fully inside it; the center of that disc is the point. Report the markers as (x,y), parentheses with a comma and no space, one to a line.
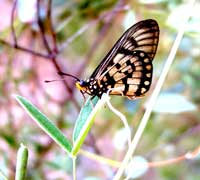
(127,68)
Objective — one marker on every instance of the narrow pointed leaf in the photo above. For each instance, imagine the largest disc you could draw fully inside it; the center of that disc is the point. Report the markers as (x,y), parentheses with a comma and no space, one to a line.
(45,124)
(85,121)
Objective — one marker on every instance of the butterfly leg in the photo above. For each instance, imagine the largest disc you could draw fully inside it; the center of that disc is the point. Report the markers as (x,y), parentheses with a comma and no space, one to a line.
(83,96)
(91,101)
(135,97)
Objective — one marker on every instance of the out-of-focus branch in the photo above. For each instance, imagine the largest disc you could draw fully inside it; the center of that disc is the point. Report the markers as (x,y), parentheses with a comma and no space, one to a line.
(24,49)
(53,34)
(12,23)
(42,29)
(53,53)
(187,156)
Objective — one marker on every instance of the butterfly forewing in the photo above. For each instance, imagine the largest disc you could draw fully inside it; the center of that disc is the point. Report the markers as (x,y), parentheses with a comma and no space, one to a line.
(143,36)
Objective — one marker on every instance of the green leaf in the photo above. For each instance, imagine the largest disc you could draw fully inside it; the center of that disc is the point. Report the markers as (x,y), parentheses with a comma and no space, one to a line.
(45,124)
(174,103)
(84,114)
(85,121)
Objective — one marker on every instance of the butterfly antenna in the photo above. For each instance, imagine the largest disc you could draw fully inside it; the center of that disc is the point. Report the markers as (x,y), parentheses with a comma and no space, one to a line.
(48,81)
(66,74)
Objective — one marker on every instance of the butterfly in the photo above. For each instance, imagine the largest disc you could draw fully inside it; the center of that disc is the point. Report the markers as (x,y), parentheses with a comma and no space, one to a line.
(127,68)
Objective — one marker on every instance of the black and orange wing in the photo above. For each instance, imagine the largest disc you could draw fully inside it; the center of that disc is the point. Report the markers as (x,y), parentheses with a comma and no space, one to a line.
(127,68)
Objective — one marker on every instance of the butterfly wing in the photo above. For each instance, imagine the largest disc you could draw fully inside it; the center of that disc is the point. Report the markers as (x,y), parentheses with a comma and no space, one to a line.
(127,68)
(143,36)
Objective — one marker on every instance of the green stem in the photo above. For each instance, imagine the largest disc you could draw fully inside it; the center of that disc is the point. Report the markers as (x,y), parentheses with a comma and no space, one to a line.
(74,167)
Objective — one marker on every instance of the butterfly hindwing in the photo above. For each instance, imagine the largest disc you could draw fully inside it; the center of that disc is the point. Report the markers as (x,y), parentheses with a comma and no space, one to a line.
(131,76)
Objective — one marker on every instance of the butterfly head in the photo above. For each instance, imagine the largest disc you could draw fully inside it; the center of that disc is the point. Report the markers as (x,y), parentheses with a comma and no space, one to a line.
(89,86)
(82,85)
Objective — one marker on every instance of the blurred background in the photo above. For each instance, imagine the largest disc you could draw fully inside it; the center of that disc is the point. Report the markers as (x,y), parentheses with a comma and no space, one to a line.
(39,38)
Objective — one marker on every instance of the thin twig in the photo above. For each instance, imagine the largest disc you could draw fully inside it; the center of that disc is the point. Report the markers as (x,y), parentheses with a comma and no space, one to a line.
(53,34)
(187,156)
(42,29)
(24,49)
(12,23)
(121,116)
